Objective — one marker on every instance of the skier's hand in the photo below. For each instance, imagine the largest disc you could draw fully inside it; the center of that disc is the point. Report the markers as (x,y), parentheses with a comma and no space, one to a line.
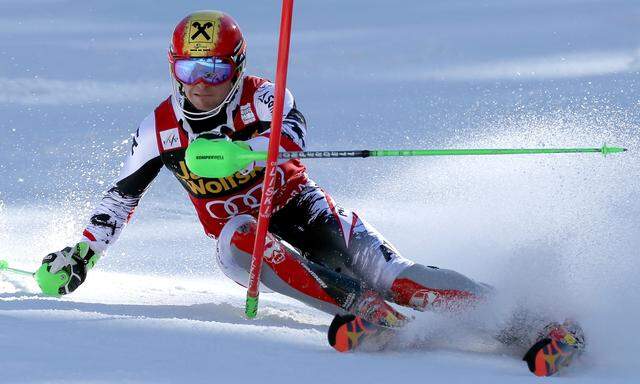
(244,145)
(63,271)
(216,136)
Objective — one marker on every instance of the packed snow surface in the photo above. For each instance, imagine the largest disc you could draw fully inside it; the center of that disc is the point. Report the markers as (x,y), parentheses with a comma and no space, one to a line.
(559,234)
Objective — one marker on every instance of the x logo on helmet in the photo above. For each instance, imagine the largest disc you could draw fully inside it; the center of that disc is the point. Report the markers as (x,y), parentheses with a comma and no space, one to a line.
(202,29)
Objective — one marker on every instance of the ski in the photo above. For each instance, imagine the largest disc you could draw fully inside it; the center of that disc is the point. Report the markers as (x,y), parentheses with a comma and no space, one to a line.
(559,347)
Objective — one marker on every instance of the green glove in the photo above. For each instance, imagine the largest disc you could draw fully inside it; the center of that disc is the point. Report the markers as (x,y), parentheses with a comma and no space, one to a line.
(63,271)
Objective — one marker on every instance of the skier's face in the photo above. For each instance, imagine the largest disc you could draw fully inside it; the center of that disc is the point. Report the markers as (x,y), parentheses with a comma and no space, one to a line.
(206,97)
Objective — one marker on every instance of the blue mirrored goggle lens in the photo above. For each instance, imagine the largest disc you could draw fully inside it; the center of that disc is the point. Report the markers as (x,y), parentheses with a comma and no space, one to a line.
(210,70)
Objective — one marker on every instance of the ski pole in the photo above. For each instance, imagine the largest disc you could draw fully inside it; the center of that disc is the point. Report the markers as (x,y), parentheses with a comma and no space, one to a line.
(4,266)
(268,187)
(222,158)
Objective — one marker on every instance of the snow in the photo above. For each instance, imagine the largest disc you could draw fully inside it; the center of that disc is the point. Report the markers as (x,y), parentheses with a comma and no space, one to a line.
(39,91)
(558,233)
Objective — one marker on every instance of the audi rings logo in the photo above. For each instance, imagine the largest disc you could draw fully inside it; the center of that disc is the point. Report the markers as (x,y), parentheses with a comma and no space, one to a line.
(235,205)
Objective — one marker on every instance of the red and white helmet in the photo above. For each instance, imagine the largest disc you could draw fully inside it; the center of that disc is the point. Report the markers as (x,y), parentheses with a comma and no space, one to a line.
(207,35)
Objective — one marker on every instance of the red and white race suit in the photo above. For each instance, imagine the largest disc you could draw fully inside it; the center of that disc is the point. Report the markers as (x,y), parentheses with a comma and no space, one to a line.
(162,139)
(338,253)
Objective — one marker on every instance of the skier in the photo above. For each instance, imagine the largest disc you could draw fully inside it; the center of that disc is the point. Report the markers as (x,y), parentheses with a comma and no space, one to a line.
(316,251)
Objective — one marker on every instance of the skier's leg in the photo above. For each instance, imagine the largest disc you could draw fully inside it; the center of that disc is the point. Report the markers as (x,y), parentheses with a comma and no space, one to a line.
(339,239)
(405,282)
(286,272)
(428,287)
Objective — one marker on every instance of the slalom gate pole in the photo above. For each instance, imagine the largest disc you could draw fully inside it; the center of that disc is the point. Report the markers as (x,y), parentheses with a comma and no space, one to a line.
(251,308)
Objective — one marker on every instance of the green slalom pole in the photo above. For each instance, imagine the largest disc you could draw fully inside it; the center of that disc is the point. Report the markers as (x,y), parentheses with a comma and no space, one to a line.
(222,158)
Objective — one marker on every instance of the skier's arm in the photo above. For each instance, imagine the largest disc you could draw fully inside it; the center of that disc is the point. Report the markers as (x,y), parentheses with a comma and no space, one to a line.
(294,126)
(116,207)
(113,212)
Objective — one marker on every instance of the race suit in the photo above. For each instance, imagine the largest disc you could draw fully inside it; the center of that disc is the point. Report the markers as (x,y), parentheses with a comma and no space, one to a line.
(320,253)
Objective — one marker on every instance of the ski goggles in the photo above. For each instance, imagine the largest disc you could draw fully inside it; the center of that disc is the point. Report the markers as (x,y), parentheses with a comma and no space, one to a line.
(210,70)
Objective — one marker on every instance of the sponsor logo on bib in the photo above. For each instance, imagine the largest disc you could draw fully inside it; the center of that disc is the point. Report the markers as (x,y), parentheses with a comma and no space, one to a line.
(246,114)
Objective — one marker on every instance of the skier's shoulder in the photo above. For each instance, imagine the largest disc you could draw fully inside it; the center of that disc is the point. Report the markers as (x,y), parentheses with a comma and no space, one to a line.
(164,115)
(261,93)
(250,83)
(144,138)
(260,86)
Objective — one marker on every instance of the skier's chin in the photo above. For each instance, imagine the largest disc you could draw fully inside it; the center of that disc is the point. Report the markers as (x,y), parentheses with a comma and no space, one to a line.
(207,97)
(205,102)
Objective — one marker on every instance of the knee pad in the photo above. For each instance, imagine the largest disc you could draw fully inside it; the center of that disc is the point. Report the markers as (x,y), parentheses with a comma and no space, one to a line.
(235,247)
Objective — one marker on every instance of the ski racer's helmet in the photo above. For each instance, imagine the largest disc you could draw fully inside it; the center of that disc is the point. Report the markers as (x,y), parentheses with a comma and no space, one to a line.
(206,46)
